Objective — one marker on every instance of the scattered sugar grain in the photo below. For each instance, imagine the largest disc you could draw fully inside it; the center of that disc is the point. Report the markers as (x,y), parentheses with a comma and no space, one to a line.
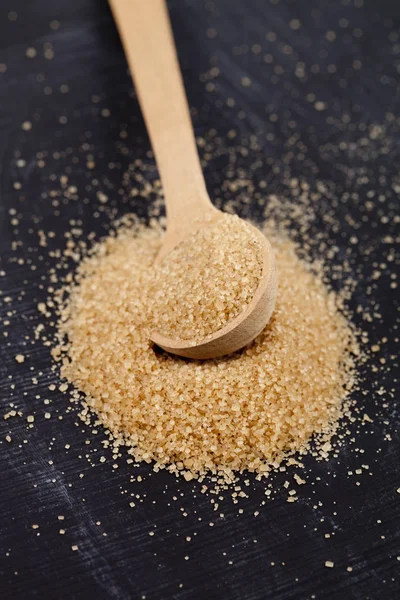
(31,52)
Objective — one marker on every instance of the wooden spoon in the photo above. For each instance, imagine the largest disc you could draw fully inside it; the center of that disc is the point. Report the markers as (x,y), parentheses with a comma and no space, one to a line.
(149,47)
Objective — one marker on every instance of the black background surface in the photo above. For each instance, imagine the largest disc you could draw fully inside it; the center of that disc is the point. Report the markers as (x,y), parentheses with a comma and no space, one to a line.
(280,553)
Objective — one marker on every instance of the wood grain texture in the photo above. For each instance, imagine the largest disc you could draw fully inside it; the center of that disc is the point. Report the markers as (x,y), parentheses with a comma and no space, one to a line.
(280,553)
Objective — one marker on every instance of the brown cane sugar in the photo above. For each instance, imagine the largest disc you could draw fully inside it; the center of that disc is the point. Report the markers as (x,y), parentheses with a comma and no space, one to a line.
(207,280)
(248,411)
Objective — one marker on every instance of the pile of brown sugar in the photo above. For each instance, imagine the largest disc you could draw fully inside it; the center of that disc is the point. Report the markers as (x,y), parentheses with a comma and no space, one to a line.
(248,411)
(207,280)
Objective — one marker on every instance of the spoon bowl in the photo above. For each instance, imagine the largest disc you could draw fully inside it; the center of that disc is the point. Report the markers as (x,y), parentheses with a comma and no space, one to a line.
(244,328)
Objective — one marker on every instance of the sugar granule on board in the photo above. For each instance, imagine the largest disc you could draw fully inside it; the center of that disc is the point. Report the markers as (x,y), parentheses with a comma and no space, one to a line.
(248,411)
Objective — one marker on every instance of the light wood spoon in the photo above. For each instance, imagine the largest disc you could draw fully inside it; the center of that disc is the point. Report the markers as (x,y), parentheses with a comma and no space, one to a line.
(147,38)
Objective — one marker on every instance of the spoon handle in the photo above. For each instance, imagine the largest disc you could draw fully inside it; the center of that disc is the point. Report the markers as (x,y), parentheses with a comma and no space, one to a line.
(147,38)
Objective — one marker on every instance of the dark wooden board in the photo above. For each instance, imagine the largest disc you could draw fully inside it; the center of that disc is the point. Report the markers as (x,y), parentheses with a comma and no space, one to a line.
(281,553)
